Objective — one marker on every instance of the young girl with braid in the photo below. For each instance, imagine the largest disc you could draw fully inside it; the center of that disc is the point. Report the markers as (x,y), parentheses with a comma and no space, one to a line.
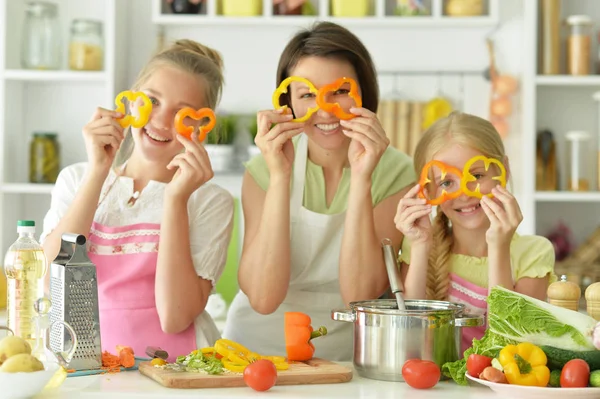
(472,244)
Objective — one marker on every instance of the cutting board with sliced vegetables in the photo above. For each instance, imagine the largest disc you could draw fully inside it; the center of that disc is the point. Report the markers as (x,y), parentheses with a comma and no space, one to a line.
(314,371)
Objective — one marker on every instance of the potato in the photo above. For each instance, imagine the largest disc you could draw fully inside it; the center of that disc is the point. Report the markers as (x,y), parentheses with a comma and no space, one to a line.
(21,363)
(13,345)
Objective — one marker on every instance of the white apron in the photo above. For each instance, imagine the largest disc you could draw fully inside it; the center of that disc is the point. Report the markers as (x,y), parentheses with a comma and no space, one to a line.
(314,289)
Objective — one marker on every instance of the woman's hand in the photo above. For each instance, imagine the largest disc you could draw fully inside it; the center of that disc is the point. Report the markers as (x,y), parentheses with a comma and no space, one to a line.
(368,144)
(412,217)
(276,143)
(194,169)
(504,214)
(103,136)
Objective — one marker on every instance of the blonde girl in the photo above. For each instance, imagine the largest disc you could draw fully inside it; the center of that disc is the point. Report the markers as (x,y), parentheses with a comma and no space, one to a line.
(157,231)
(472,244)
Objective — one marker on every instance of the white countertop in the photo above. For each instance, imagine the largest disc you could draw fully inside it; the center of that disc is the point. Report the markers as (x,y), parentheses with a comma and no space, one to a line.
(132,384)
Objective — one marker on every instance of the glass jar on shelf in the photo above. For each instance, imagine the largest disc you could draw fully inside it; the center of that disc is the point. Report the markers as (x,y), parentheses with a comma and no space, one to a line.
(86,47)
(41,40)
(579,176)
(44,158)
(464,8)
(579,45)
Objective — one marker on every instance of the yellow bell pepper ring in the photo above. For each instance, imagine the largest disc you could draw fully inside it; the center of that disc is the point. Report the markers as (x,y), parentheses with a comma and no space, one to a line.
(467,177)
(525,364)
(144,110)
(283,88)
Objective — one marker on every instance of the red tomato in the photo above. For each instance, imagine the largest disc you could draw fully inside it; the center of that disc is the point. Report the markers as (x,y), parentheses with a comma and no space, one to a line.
(421,374)
(575,374)
(477,363)
(260,375)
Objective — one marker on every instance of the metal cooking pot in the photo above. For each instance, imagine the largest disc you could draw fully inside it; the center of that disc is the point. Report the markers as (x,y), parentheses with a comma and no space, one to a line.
(385,337)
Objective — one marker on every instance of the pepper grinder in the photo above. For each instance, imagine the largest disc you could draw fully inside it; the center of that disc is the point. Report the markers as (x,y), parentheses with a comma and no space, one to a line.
(592,299)
(565,294)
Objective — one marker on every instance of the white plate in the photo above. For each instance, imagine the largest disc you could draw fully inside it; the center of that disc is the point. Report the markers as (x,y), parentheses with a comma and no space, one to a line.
(523,392)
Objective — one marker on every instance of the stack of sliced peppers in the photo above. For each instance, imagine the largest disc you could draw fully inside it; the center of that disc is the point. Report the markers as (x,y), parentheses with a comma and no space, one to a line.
(235,357)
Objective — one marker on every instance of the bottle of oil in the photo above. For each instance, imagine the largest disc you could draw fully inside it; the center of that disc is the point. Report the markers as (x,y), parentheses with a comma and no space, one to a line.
(25,266)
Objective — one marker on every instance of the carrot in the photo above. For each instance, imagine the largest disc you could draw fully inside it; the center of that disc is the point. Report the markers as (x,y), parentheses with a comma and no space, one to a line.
(126,357)
(121,348)
(110,362)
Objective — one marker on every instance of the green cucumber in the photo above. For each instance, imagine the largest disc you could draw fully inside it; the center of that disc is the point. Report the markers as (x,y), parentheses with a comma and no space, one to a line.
(557,358)
(555,379)
(595,379)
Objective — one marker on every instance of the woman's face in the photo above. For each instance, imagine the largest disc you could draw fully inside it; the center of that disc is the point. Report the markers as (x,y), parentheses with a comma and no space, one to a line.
(322,127)
(169,89)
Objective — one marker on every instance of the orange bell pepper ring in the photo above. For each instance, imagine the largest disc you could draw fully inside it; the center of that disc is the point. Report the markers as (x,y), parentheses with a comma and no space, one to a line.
(144,110)
(335,108)
(445,170)
(283,88)
(186,131)
(298,333)
(468,176)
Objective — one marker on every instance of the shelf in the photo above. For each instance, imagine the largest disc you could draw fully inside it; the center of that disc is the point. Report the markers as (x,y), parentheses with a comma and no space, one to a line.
(371,21)
(567,196)
(54,76)
(26,188)
(567,80)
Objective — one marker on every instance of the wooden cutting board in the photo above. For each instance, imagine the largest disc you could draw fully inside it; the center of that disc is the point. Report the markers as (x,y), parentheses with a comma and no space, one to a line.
(315,371)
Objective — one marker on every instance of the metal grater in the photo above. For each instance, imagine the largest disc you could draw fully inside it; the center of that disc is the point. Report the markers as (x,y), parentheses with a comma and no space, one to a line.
(74,294)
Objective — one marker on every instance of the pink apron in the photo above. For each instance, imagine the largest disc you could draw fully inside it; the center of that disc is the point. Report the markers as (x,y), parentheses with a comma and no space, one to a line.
(473,297)
(125,259)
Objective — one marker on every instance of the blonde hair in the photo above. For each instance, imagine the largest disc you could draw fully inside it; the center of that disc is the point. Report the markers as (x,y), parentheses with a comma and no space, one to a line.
(456,128)
(191,57)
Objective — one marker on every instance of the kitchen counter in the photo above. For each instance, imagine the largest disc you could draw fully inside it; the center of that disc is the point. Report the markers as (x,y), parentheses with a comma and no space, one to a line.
(132,384)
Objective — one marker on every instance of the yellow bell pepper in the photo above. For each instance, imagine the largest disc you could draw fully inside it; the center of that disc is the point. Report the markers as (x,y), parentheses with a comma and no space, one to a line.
(236,357)
(525,364)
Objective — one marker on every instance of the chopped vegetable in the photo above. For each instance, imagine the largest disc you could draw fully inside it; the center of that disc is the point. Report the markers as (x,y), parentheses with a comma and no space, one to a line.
(525,364)
(197,360)
(298,334)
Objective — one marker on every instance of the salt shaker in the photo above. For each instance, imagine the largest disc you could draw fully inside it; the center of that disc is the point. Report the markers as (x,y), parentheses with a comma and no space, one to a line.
(592,299)
(565,294)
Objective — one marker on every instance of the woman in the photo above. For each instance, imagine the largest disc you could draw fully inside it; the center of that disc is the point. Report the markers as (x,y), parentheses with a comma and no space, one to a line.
(345,185)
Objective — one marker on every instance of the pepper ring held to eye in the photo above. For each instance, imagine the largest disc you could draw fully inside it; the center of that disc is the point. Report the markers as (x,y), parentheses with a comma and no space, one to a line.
(445,170)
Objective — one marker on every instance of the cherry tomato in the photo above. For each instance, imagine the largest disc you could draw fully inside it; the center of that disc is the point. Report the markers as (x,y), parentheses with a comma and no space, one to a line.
(421,374)
(575,374)
(477,363)
(260,375)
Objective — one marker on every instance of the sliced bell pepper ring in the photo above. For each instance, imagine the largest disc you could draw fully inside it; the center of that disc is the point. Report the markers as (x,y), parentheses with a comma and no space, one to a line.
(335,108)
(283,88)
(525,364)
(186,131)
(468,177)
(298,333)
(144,110)
(232,366)
(445,170)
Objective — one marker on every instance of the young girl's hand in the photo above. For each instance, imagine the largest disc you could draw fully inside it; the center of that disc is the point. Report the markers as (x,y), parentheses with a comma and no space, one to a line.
(412,217)
(194,169)
(103,136)
(368,144)
(504,214)
(276,144)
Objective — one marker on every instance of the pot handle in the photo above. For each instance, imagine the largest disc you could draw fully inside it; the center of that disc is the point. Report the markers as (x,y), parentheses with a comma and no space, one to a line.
(470,321)
(343,315)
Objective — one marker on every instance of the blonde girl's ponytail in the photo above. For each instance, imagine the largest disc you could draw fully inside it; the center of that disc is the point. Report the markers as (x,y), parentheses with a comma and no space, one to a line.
(438,272)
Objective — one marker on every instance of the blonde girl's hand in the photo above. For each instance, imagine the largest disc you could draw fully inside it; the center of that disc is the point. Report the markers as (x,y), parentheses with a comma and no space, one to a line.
(412,217)
(193,169)
(275,142)
(368,144)
(103,136)
(504,214)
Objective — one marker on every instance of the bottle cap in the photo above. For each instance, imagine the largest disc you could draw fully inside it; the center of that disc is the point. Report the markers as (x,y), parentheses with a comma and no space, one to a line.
(28,223)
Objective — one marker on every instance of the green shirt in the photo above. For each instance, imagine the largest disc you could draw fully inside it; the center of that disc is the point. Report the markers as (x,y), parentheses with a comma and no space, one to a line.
(530,256)
(394,172)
